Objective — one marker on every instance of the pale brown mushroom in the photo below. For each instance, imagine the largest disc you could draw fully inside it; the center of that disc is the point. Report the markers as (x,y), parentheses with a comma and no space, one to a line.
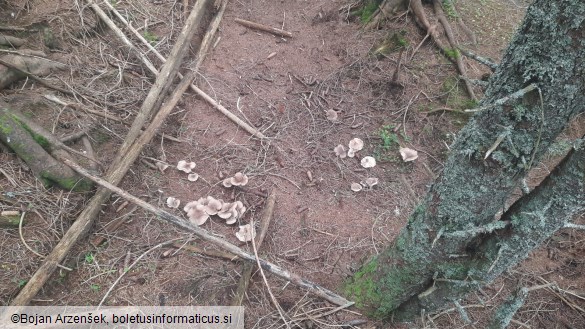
(356,187)
(340,151)
(185,166)
(332,115)
(356,144)
(368,162)
(246,233)
(371,182)
(197,215)
(212,205)
(173,202)
(408,154)
(239,179)
(193,177)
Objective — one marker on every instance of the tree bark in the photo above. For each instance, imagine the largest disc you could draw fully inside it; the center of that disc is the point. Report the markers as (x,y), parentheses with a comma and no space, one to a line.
(454,242)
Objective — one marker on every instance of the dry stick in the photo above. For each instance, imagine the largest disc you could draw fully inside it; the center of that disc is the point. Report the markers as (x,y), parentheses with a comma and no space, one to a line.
(458,60)
(485,61)
(212,253)
(264,28)
(203,234)
(205,44)
(248,268)
(123,161)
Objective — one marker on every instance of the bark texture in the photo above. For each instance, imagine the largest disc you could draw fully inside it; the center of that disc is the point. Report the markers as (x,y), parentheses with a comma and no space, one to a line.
(453,242)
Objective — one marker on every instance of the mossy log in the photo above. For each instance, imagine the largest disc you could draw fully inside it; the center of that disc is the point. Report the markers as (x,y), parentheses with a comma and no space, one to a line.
(454,242)
(33,148)
(20,66)
(9,219)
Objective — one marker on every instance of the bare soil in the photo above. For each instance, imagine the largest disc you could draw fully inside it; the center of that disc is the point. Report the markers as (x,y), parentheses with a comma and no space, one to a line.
(321,230)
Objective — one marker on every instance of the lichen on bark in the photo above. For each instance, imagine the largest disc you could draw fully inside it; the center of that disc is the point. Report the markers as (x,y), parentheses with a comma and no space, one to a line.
(442,261)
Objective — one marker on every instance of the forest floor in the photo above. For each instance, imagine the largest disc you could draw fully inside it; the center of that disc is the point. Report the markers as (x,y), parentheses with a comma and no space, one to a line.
(284,87)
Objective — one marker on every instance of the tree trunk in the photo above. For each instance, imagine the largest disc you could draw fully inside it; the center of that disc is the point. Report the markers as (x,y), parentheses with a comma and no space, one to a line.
(454,242)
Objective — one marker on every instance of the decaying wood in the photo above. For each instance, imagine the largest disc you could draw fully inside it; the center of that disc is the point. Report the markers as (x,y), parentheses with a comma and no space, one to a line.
(261,27)
(6,40)
(203,234)
(248,267)
(16,67)
(201,55)
(32,144)
(123,160)
(9,219)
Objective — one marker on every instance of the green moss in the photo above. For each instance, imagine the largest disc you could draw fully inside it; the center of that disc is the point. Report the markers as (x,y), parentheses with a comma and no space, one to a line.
(366,11)
(70,183)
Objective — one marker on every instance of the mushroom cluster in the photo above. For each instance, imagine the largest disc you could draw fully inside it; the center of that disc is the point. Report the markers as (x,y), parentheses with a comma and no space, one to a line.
(355,145)
(238,179)
(187,167)
(199,211)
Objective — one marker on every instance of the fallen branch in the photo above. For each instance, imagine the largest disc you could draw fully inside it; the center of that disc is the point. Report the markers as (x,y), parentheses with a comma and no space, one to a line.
(483,60)
(6,40)
(203,234)
(15,71)
(212,253)
(261,27)
(124,158)
(248,267)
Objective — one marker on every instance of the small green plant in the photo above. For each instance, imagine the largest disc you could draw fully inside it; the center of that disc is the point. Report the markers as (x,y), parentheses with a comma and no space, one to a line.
(452,53)
(21,283)
(150,37)
(95,287)
(89,258)
(388,142)
(449,9)
(366,11)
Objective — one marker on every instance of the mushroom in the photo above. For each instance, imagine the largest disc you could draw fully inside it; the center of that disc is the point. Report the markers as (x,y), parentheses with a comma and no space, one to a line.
(351,153)
(340,151)
(239,179)
(246,233)
(212,205)
(356,144)
(356,187)
(161,166)
(190,205)
(193,177)
(231,212)
(331,115)
(226,182)
(368,162)
(197,215)
(408,154)
(370,182)
(185,166)
(173,202)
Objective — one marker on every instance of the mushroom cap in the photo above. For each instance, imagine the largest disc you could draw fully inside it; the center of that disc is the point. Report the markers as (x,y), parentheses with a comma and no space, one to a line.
(331,115)
(351,153)
(368,162)
(233,218)
(356,187)
(173,202)
(227,210)
(239,179)
(197,215)
(246,233)
(340,151)
(212,205)
(193,177)
(240,207)
(356,144)
(371,181)
(408,154)
(185,166)
(161,166)
(227,182)
(190,205)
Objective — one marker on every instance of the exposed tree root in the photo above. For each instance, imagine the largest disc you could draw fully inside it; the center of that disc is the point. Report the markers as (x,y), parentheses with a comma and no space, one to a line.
(454,46)
(385,10)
